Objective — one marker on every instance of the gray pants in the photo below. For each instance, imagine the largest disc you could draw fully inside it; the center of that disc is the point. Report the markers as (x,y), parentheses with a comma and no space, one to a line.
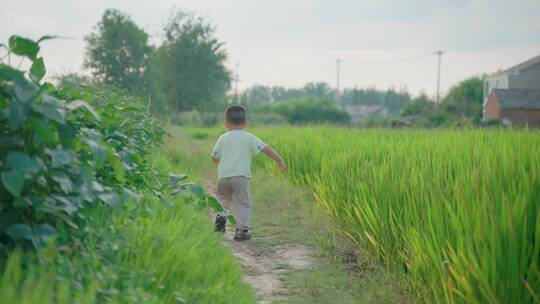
(236,189)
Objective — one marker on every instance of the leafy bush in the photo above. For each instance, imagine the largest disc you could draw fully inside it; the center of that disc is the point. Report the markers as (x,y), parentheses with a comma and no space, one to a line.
(65,152)
(146,252)
(308,110)
(59,155)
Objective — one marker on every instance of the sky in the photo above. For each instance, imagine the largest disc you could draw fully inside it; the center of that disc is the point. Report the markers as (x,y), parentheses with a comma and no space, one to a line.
(292,42)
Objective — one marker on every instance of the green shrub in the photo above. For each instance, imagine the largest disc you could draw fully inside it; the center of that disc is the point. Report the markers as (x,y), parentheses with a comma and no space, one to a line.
(266,119)
(74,163)
(59,155)
(146,252)
(307,110)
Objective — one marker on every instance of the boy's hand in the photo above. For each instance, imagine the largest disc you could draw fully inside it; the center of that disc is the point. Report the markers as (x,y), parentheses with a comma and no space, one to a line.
(275,156)
(282,165)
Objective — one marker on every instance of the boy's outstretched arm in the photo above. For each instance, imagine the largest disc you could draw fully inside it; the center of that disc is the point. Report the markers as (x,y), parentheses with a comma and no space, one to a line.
(275,156)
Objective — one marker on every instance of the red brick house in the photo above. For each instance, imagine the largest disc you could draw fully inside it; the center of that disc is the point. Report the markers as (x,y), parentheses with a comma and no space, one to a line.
(519,106)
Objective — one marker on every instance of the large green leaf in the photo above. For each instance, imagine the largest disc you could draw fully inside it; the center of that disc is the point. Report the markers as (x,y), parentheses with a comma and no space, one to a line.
(214,204)
(20,161)
(128,195)
(24,89)
(23,46)
(52,108)
(64,182)
(20,231)
(42,132)
(98,150)
(13,182)
(174,179)
(17,116)
(37,71)
(112,199)
(116,163)
(67,135)
(231,219)
(9,73)
(45,231)
(197,190)
(60,158)
(76,104)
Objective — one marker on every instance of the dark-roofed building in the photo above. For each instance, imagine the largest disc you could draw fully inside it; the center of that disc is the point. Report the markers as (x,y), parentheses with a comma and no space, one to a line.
(525,75)
(517,89)
(519,106)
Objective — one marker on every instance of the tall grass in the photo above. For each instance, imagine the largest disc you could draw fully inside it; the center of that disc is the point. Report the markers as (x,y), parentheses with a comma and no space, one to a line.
(144,252)
(460,211)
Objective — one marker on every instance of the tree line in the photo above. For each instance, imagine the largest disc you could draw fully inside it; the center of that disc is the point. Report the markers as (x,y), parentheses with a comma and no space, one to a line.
(185,71)
(391,98)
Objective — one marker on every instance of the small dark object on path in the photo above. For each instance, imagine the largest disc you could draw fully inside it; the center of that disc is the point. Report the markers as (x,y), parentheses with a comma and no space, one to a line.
(219,224)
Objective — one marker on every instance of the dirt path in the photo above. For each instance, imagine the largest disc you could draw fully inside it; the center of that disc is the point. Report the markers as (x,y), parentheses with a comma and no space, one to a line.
(263,269)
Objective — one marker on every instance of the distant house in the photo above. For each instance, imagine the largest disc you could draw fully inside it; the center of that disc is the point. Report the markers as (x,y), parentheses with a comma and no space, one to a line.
(519,106)
(515,99)
(361,112)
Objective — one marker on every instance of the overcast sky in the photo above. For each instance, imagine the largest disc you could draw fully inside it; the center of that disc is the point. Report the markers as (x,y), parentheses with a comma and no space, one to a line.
(289,43)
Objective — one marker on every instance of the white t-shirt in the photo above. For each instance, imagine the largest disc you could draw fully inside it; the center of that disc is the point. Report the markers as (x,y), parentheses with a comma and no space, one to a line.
(234,150)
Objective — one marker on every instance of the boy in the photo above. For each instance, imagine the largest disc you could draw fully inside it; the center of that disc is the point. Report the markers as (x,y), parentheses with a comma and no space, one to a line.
(233,153)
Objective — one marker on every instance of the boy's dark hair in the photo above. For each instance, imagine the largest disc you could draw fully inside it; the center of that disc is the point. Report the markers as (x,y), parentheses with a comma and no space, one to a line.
(235,115)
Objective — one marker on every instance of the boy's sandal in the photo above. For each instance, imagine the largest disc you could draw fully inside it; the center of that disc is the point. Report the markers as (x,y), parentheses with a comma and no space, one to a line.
(241,235)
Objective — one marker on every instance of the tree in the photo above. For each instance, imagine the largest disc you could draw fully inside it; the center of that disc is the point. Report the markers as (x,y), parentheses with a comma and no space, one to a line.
(306,110)
(117,52)
(187,71)
(318,89)
(465,99)
(418,106)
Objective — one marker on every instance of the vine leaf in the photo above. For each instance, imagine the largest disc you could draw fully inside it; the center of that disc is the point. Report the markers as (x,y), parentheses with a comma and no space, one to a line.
(23,47)
(37,71)
(20,161)
(20,231)
(213,202)
(76,104)
(13,182)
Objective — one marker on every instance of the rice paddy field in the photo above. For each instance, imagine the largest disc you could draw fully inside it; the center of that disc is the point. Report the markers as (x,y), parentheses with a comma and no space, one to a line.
(458,211)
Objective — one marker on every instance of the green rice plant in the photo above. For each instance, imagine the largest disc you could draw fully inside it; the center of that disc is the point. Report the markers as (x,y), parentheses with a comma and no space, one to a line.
(459,211)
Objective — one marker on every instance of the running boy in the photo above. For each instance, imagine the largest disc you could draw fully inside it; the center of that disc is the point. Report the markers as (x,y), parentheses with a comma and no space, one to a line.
(233,153)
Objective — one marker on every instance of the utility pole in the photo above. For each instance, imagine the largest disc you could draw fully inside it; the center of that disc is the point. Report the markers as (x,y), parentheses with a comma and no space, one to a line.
(439,55)
(338,66)
(236,77)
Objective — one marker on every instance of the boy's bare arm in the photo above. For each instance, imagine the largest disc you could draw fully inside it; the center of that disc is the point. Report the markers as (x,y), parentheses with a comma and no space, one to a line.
(275,156)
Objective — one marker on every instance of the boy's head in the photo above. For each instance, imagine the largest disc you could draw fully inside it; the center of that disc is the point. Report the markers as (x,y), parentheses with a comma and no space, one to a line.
(235,116)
